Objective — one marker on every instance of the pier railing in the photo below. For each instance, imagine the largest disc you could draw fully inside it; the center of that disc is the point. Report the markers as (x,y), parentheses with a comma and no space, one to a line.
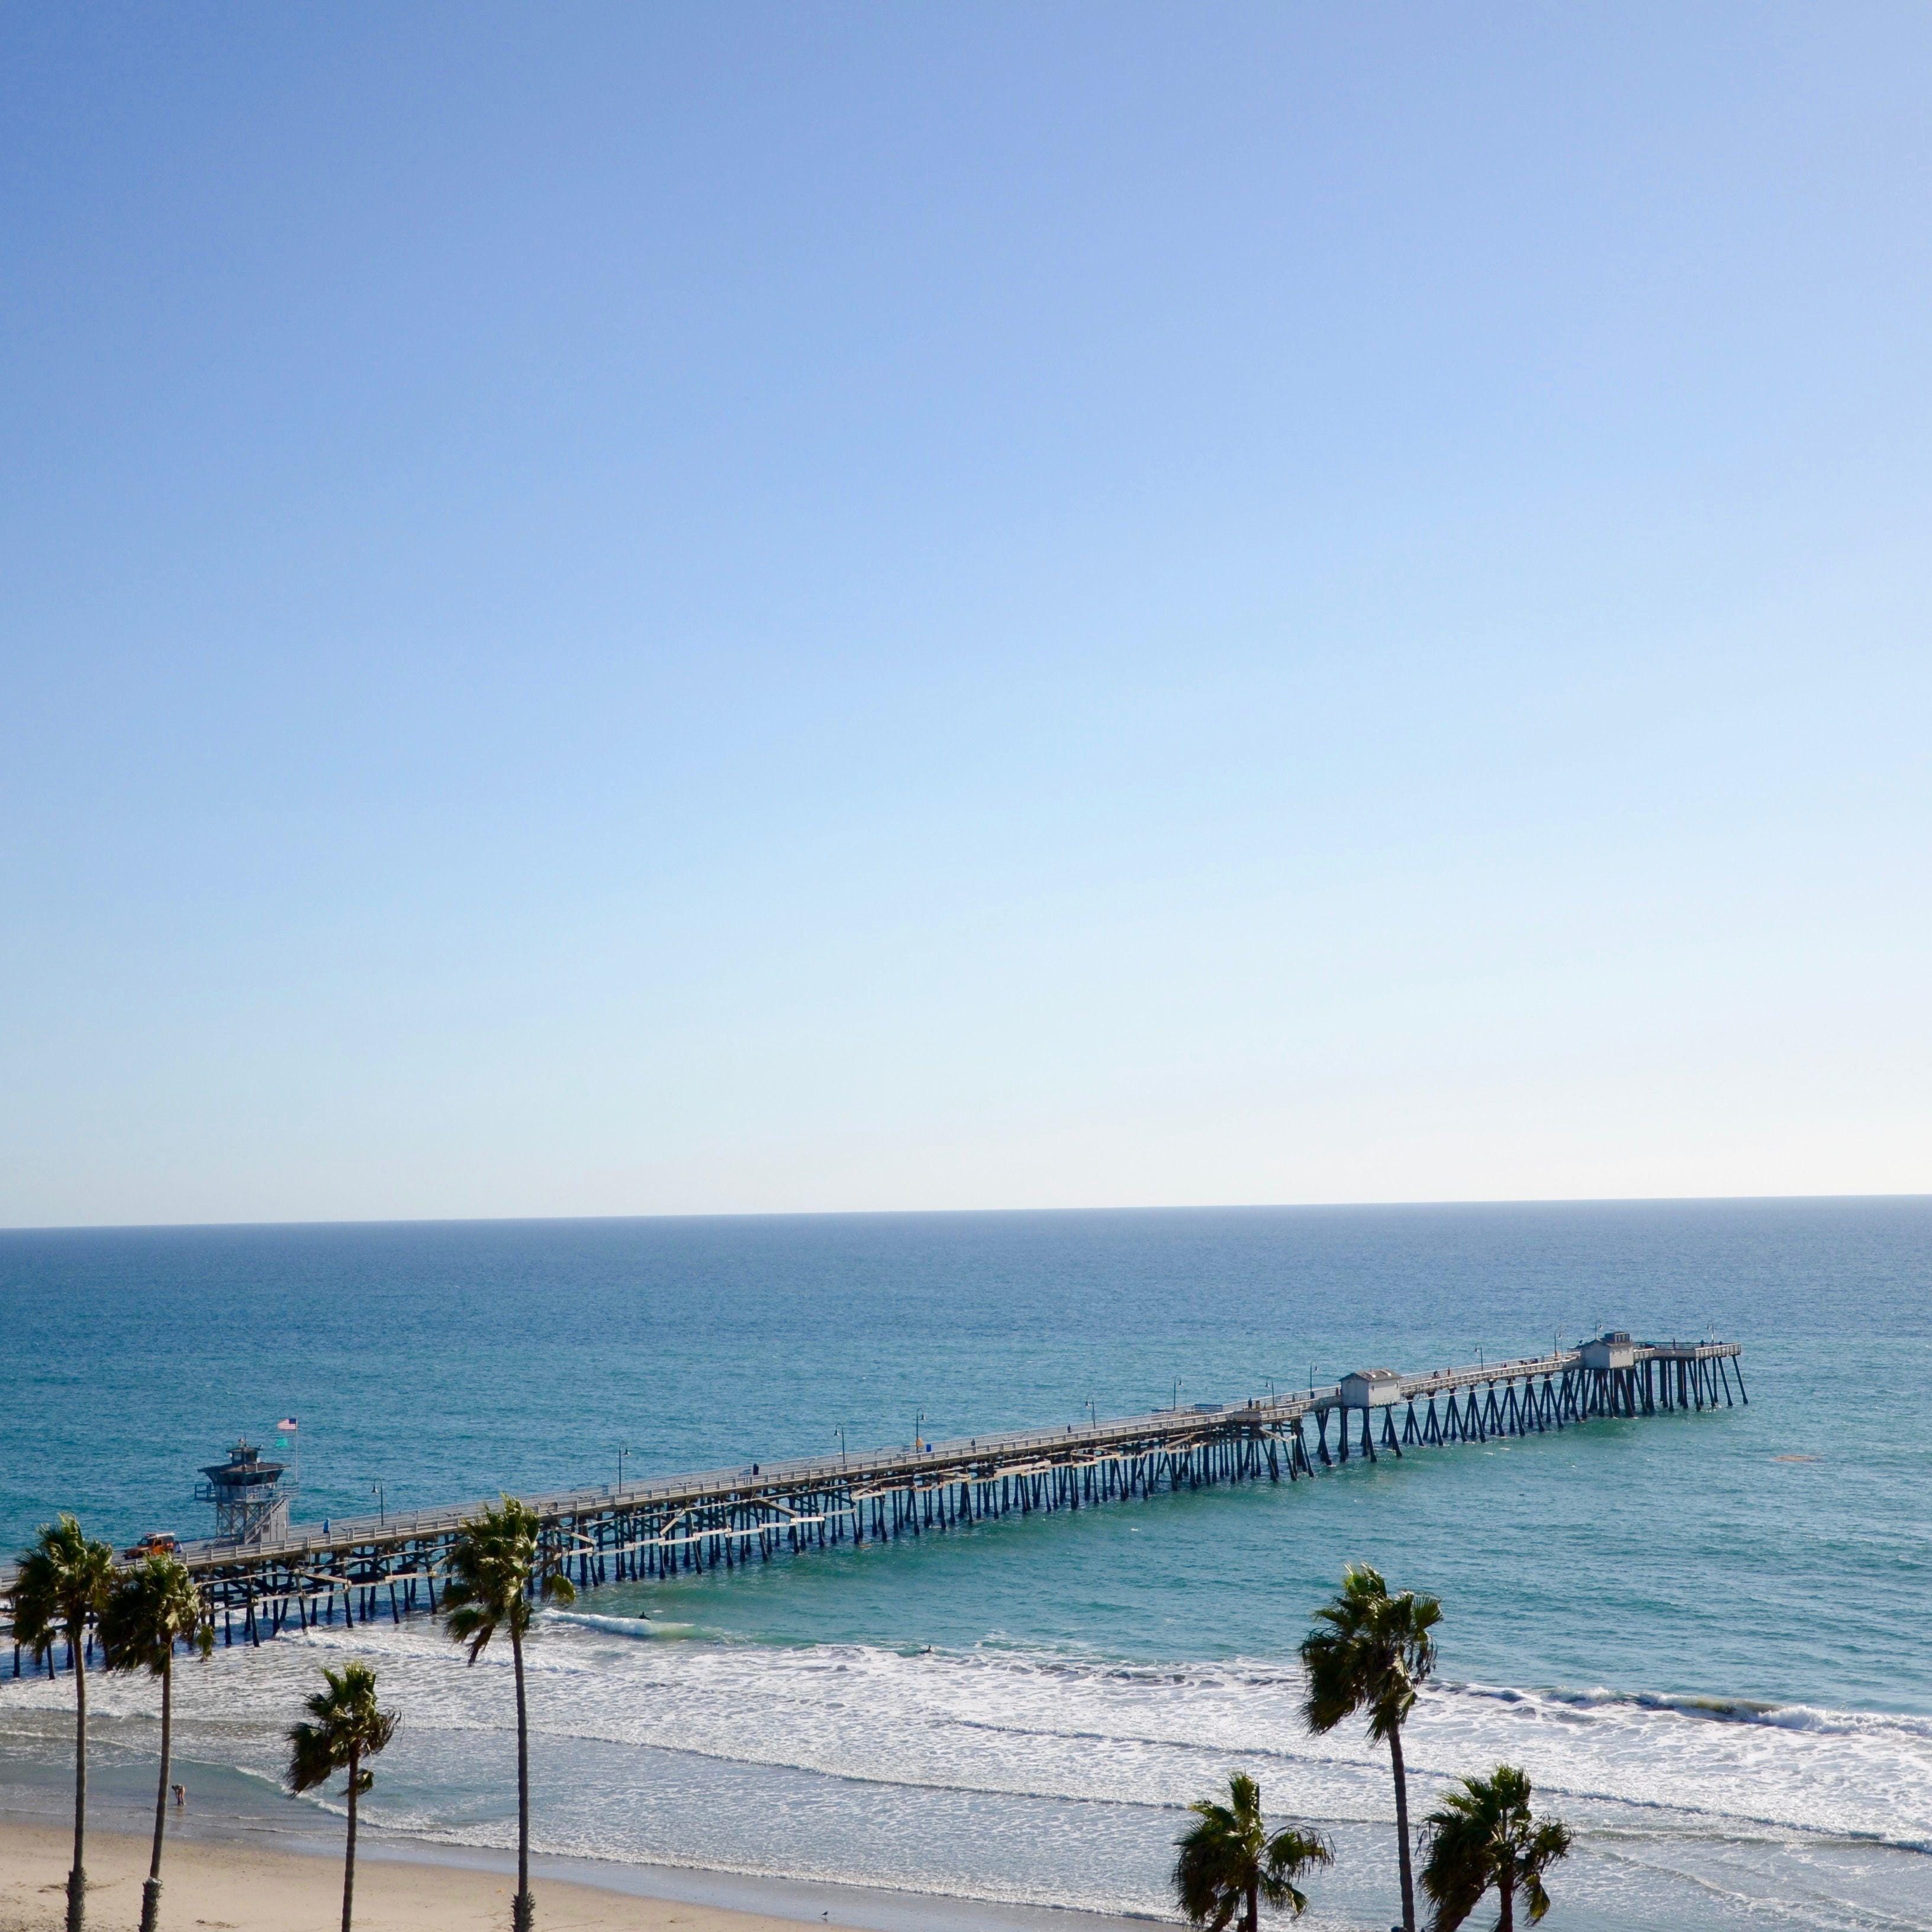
(661,1526)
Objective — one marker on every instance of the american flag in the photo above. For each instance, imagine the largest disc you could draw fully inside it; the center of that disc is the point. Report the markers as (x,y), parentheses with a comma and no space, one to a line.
(286,1426)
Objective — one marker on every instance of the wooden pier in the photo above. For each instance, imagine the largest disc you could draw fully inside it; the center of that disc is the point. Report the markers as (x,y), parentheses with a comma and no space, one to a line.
(722,1519)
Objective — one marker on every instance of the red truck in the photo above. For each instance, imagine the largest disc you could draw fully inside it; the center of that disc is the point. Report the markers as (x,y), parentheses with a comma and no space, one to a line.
(156,1542)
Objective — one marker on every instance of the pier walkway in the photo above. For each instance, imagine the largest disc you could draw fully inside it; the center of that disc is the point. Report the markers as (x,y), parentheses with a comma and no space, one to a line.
(664,1526)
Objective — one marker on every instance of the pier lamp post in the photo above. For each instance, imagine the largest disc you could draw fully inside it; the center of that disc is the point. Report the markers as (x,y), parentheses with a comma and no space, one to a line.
(918,1433)
(1093,1415)
(840,1432)
(382,1503)
(623,1449)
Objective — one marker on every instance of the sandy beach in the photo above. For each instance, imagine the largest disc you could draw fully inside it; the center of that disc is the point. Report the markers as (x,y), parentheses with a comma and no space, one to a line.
(227,1887)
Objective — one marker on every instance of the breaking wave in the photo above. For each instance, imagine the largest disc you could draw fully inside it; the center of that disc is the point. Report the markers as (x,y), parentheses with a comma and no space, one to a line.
(866,1764)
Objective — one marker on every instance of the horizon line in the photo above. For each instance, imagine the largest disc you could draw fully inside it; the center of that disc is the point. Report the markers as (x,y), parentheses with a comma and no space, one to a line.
(937,1214)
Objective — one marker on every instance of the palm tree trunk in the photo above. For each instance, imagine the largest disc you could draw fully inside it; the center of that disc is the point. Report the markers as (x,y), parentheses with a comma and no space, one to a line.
(77,1879)
(151,1892)
(1254,1918)
(1506,1918)
(522,1909)
(349,1856)
(1402,1829)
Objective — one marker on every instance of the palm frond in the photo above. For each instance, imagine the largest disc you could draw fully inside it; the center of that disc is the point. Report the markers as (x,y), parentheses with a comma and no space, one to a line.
(1369,1652)
(1457,1870)
(1483,1835)
(498,1561)
(150,1612)
(1329,1659)
(1229,1852)
(1287,1855)
(1550,1840)
(311,1757)
(345,1722)
(62,1582)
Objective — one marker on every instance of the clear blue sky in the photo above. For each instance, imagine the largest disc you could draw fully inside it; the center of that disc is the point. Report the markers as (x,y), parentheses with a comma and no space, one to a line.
(632,610)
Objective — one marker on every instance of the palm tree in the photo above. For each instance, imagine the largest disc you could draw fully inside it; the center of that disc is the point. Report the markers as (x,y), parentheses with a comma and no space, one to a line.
(1484,1836)
(346,1729)
(61,1585)
(497,1564)
(152,1610)
(1371,1652)
(1228,1864)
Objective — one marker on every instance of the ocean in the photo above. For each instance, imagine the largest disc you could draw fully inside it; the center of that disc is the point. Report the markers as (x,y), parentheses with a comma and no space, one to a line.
(1702,1635)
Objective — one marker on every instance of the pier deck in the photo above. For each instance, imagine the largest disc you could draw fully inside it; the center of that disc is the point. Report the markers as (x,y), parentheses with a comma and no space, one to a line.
(664,1526)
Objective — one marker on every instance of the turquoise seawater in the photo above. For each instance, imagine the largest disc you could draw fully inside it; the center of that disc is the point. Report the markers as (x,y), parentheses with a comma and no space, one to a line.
(1702,1633)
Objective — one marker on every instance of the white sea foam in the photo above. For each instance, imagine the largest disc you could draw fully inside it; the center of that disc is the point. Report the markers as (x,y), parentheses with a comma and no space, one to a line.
(941,1767)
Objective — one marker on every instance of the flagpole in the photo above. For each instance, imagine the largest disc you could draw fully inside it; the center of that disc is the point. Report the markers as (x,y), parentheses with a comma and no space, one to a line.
(289,1436)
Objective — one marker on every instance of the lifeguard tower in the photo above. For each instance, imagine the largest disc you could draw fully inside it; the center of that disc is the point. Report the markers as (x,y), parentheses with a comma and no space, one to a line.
(250,1504)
